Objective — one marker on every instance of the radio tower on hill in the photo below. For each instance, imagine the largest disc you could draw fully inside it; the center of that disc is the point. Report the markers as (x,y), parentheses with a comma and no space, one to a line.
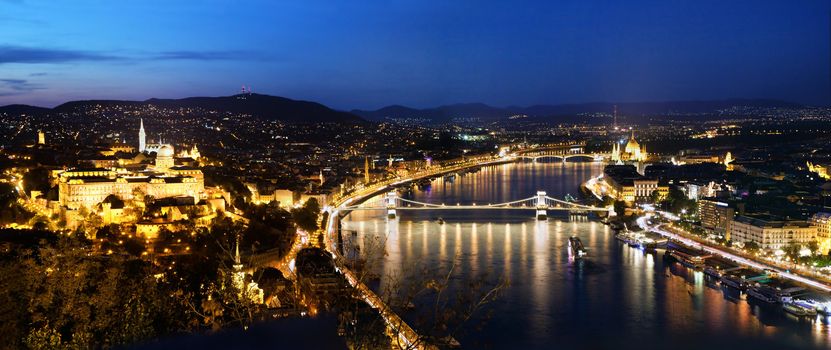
(244,92)
(614,117)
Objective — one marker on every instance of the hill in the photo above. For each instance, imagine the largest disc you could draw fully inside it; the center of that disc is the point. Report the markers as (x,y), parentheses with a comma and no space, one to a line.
(263,106)
(634,109)
(23,109)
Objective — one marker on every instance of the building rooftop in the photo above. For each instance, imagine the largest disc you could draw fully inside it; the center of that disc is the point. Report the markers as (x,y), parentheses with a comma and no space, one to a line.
(765,220)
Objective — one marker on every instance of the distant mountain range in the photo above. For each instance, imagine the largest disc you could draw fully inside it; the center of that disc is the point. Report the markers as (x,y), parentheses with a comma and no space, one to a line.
(288,110)
(263,106)
(486,112)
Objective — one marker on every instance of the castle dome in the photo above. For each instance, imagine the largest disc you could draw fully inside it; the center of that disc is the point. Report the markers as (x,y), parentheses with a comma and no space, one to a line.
(165,151)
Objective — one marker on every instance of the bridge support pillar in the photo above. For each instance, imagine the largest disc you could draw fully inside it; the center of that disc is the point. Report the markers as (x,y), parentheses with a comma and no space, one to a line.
(542,208)
(392,196)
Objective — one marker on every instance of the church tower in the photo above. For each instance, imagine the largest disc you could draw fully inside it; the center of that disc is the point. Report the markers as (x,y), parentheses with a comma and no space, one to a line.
(142,137)
(615,152)
(239,275)
(728,158)
(366,169)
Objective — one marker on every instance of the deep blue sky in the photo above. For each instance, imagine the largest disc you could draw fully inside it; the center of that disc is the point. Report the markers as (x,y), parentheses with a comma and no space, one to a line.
(368,54)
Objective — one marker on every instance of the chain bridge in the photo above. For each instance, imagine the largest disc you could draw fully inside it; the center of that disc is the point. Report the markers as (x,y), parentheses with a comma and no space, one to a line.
(541,203)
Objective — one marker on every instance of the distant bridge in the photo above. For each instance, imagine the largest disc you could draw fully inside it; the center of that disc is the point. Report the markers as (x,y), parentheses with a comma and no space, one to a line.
(541,204)
(561,152)
(595,157)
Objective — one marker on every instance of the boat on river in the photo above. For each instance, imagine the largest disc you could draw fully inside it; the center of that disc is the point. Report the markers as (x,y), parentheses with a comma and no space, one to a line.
(712,271)
(424,183)
(575,248)
(649,246)
(820,307)
(733,281)
(688,260)
(799,310)
(764,293)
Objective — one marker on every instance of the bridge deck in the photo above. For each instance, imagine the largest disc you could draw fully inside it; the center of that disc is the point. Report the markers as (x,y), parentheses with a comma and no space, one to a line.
(476,207)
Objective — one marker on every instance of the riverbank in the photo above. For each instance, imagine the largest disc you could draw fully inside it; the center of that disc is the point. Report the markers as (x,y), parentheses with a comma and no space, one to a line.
(614,292)
(735,257)
(405,334)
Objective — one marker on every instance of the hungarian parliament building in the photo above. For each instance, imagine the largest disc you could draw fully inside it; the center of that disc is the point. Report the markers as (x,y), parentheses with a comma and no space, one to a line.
(136,175)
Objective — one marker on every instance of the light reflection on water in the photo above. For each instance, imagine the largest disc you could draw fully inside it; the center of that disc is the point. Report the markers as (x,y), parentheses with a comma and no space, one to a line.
(618,297)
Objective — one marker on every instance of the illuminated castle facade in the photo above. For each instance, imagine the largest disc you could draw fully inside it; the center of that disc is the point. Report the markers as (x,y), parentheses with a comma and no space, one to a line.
(87,187)
(193,153)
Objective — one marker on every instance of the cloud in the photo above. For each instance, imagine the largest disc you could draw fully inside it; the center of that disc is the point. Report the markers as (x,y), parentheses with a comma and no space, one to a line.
(33,55)
(38,74)
(204,55)
(10,87)
(21,54)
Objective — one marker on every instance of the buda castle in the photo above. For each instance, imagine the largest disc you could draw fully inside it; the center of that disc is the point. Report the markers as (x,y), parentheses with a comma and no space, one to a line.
(161,178)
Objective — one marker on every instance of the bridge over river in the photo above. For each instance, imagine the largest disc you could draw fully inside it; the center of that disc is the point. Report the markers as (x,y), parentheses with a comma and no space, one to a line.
(541,203)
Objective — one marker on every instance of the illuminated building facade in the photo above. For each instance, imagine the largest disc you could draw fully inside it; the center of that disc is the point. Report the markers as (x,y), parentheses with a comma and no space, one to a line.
(88,187)
(716,216)
(771,234)
(632,151)
(819,170)
(822,221)
(192,153)
(81,187)
(623,182)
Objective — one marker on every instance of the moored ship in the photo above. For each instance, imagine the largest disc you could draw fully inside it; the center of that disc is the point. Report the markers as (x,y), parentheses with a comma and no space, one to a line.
(797,309)
(693,261)
(733,281)
(763,293)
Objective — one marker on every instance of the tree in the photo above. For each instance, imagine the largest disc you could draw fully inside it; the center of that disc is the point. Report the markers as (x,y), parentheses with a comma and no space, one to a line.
(751,246)
(655,196)
(306,216)
(813,246)
(620,208)
(678,201)
(438,303)
(94,220)
(109,232)
(269,227)
(75,300)
(36,179)
(11,211)
(792,250)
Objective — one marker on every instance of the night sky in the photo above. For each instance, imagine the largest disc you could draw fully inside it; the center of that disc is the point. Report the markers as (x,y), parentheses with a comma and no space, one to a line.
(368,54)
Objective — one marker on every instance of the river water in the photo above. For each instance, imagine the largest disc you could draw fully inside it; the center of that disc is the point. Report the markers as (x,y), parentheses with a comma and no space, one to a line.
(618,297)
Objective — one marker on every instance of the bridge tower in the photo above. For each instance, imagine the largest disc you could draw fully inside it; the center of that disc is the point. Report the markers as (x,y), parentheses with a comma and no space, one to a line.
(392,196)
(542,212)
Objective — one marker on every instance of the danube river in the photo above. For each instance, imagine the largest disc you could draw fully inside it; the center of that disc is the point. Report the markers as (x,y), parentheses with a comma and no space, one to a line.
(618,297)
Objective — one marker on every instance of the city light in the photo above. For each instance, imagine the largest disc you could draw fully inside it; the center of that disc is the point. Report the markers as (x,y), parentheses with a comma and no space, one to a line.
(415,175)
